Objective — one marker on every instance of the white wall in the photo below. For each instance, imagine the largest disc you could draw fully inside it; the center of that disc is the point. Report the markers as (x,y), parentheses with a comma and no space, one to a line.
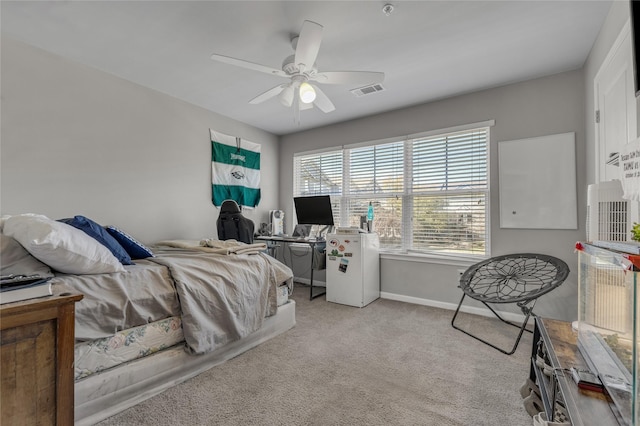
(79,141)
(539,107)
(616,19)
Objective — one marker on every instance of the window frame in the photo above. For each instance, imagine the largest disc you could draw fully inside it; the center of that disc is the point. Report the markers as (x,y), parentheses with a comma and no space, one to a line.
(407,251)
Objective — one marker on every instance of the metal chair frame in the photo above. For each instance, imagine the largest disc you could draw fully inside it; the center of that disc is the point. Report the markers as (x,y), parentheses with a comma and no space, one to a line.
(513,278)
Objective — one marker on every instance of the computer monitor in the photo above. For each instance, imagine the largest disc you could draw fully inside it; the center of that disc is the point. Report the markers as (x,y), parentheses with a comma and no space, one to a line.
(315,210)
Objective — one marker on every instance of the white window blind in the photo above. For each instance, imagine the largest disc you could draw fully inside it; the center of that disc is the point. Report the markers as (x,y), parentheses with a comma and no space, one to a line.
(430,194)
(318,174)
(376,169)
(450,193)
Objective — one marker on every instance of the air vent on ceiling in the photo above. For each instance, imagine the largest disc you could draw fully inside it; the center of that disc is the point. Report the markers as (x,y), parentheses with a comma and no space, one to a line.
(367,90)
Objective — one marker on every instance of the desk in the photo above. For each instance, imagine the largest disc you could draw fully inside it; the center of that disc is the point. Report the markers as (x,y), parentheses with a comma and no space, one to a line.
(289,240)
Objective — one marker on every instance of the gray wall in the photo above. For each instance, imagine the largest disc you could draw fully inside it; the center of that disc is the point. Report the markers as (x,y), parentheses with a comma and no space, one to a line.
(79,141)
(538,107)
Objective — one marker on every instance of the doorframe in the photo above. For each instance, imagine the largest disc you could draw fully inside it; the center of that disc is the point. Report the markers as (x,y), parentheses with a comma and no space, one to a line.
(624,32)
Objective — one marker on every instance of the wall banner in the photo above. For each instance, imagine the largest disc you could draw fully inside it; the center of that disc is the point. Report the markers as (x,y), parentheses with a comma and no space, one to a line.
(235,170)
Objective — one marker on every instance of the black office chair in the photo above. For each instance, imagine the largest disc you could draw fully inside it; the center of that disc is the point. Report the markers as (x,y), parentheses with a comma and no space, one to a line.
(513,278)
(232,225)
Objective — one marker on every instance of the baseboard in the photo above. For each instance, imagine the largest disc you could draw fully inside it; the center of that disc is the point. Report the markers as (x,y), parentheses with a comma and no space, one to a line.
(510,316)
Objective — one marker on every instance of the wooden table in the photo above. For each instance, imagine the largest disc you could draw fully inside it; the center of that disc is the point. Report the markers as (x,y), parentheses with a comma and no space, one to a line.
(584,408)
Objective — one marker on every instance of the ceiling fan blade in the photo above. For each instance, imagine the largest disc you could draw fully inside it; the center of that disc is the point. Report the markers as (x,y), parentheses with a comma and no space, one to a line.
(308,45)
(248,65)
(361,78)
(268,94)
(322,101)
(304,106)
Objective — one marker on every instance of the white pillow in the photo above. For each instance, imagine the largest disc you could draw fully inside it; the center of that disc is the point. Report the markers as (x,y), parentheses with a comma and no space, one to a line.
(61,246)
(15,260)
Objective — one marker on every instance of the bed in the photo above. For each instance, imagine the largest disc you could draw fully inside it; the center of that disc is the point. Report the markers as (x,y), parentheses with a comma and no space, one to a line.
(158,320)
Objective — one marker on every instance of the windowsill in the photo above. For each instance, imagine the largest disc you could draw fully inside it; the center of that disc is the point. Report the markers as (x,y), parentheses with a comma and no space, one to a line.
(440,259)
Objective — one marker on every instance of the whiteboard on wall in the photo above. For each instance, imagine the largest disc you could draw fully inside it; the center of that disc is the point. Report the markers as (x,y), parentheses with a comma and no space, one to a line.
(538,182)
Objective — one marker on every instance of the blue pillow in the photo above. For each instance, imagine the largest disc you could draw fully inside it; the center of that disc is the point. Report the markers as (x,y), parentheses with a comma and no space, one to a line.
(135,249)
(97,232)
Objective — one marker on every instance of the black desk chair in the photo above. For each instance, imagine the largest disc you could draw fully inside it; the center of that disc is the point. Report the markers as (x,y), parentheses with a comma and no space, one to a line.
(232,225)
(512,278)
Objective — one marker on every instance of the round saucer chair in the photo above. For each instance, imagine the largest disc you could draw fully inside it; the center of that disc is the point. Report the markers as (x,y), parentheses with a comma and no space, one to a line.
(512,278)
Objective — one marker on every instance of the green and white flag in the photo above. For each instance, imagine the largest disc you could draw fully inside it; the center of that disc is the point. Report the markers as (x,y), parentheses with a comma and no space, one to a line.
(235,170)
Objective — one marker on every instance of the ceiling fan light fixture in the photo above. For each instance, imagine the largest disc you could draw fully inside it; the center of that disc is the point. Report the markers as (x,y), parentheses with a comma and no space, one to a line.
(300,69)
(286,97)
(307,93)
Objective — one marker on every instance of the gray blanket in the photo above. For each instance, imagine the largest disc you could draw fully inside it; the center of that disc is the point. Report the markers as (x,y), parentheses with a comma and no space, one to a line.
(223,297)
(119,301)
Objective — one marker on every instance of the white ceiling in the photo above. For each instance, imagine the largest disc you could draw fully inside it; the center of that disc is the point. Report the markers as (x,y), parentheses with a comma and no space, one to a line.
(428,50)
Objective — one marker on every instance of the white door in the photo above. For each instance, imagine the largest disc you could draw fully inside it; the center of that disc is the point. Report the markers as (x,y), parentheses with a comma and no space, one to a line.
(615,105)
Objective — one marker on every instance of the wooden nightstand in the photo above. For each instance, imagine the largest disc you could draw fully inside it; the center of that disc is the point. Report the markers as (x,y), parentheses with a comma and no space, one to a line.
(36,361)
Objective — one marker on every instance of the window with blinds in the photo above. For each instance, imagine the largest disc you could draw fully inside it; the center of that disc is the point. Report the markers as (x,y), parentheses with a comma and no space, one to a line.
(318,174)
(430,194)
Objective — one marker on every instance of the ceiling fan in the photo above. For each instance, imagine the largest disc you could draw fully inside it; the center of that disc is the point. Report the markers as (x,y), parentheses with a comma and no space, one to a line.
(301,92)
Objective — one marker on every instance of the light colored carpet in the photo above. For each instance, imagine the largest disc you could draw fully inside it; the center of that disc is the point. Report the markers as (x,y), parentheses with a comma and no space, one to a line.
(390,363)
